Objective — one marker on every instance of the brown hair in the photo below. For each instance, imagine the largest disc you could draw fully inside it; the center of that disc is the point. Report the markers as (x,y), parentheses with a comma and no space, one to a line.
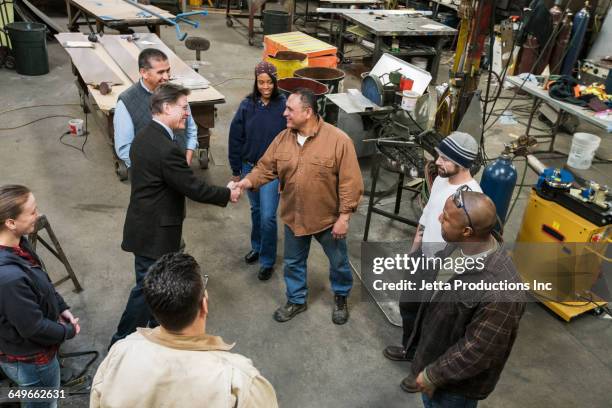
(166,93)
(12,199)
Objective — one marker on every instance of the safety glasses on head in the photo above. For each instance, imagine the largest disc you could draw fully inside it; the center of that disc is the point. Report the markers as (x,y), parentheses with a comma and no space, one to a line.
(458,200)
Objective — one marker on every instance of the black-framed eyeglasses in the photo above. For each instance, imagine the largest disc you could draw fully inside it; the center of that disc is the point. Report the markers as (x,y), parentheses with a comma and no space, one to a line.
(458,200)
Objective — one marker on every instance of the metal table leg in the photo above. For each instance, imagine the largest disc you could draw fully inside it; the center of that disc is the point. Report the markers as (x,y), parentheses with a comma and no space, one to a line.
(372,206)
(555,130)
(436,7)
(435,63)
(371,201)
(378,43)
(533,109)
(340,42)
(398,195)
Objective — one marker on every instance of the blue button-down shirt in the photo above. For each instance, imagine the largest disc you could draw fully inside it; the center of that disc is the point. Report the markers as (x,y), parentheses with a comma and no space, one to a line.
(124,131)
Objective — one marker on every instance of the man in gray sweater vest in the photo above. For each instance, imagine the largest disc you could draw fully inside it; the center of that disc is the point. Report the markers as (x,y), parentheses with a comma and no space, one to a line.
(133,110)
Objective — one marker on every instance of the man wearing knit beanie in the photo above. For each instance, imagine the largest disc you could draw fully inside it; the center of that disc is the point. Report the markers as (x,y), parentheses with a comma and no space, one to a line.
(456,153)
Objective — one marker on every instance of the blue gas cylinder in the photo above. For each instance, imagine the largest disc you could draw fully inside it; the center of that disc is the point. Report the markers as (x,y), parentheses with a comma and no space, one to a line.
(498,182)
(579,29)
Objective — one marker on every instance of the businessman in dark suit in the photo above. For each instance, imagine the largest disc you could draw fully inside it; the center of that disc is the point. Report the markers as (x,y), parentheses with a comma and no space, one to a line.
(161,179)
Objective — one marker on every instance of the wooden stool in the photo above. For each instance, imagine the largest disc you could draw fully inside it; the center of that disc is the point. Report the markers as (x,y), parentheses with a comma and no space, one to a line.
(56,250)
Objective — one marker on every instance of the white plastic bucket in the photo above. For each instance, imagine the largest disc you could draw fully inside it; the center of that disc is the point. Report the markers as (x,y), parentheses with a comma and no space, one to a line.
(584,146)
(76,127)
(409,100)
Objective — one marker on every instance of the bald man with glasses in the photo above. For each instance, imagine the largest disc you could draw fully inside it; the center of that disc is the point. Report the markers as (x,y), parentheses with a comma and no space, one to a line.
(465,336)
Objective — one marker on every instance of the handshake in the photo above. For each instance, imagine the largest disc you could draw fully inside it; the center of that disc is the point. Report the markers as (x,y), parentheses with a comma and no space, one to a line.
(236,187)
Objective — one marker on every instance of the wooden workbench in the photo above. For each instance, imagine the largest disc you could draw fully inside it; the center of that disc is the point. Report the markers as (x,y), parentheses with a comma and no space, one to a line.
(102,107)
(115,14)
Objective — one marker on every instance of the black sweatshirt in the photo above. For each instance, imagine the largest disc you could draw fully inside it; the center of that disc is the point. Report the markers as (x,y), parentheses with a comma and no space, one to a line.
(29,307)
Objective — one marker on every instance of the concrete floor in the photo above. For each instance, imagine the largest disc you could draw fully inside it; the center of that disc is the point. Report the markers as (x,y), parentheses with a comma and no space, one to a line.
(310,361)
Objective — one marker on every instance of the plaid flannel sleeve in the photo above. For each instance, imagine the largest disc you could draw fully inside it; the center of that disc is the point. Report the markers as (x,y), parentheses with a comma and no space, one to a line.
(487,339)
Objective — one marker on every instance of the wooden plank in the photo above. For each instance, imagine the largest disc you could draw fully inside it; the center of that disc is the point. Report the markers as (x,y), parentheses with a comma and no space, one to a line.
(300,42)
(179,69)
(45,18)
(110,10)
(127,61)
(93,70)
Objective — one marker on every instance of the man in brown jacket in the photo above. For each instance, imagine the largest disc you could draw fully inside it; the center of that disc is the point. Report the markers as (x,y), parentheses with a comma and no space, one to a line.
(321,186)
(466,335)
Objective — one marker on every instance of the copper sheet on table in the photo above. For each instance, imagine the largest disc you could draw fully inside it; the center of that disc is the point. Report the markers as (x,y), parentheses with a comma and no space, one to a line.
(92,68)
(127,61)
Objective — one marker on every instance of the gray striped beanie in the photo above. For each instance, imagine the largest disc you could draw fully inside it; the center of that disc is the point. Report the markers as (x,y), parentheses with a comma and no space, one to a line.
(460,148)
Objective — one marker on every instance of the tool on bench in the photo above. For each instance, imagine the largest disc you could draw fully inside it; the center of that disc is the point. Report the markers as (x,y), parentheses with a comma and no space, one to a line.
(182,17)
(92,37)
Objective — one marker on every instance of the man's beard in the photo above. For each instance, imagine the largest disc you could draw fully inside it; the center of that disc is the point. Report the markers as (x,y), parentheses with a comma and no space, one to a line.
(445,173)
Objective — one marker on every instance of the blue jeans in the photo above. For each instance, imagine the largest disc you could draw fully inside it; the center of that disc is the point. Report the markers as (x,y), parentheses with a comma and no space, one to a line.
(264,204)
(443,399)
(137,312)
(296,255)
(33,375)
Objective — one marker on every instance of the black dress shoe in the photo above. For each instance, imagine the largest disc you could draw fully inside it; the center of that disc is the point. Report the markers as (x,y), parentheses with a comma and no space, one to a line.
(264,273)
(408,384)
(288,312)
(397,353)
(251,257)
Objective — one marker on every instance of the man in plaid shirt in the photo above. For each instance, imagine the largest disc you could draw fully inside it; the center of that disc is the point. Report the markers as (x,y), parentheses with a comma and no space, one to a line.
(466,336)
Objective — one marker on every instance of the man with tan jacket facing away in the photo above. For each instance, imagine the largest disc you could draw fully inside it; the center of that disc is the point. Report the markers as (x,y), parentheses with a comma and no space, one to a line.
(178,364)
(321,186)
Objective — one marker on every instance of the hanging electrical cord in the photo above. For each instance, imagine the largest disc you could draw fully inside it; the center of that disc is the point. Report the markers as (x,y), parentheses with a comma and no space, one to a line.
(540,55)
(497,91)
(481,149)
(36,120)
(414,121)
(518,194)
(81,148)
(502,76)
(38,106)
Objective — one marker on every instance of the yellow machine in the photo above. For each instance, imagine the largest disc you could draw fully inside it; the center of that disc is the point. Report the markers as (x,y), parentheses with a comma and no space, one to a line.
(562,241)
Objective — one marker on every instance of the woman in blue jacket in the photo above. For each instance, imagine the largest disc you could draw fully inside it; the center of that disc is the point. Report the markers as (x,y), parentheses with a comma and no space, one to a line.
(256,123)
(34,319)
